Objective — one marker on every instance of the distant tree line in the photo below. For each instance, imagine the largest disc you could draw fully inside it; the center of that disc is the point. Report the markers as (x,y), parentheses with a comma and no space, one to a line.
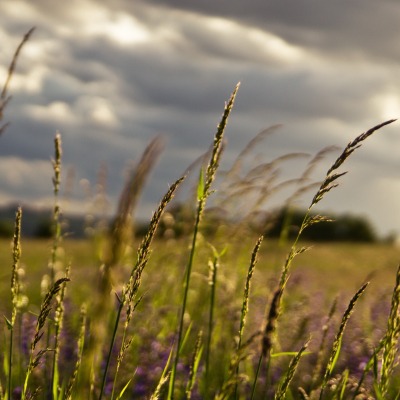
(178,222)
(38,223)
(345,227)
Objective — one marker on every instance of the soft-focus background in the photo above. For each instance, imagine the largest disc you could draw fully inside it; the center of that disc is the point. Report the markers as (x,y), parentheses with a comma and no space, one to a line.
(110,76)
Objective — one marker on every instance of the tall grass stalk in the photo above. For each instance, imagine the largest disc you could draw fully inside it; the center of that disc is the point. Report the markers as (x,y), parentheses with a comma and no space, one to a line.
(120,239)
(327,185)
(123,221)
(35,358)
(198,349)
(203,192)
(268,335)
(15,294)
(284,385)
(130,290)
(246,294)
(58,324)
(246,297)
(57,235)
(81,342)
(335,351)
(57,208)
(212,281)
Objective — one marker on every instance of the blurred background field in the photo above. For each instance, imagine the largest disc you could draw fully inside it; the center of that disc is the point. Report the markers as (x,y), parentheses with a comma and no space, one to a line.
(319,275)
(337,267)
(326,272)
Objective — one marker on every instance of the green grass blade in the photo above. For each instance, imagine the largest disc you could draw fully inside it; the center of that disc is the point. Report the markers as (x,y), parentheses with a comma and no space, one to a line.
(246,296)
(341,390)
(123,390)
(378,392)
(164,378)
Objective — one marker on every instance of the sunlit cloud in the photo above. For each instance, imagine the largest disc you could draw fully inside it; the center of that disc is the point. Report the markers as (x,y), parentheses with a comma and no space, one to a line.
(31,82)
(94,20)
(25,174)
(98,110)
(270,45)
(389,104)
(57,111)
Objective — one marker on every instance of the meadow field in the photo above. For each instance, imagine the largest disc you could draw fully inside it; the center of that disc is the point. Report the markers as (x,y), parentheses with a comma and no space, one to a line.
(221,313)
(327,274)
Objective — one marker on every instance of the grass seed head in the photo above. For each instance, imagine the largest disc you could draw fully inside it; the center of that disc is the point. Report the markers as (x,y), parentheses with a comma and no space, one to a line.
(57,163)
(338,338)
(331,178)
(218,144)
(270,326)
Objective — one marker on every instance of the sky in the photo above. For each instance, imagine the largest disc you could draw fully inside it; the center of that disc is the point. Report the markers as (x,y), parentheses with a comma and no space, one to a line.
(110,76)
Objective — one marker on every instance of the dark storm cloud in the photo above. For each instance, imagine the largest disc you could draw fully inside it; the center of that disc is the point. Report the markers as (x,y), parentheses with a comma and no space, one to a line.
(360,28)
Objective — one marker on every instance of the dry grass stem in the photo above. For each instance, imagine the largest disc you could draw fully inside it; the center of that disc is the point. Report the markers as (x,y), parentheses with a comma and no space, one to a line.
(4,97)
(123,223)
(15,287)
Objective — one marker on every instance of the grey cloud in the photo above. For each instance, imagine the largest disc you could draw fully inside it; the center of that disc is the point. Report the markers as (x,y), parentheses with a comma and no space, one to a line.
(362,28)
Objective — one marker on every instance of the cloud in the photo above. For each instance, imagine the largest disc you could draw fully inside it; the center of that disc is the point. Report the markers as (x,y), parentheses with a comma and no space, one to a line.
(340,29)
(22,177)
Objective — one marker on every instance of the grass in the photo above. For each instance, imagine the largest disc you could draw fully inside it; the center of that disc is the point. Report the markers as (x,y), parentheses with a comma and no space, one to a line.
(227,314)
